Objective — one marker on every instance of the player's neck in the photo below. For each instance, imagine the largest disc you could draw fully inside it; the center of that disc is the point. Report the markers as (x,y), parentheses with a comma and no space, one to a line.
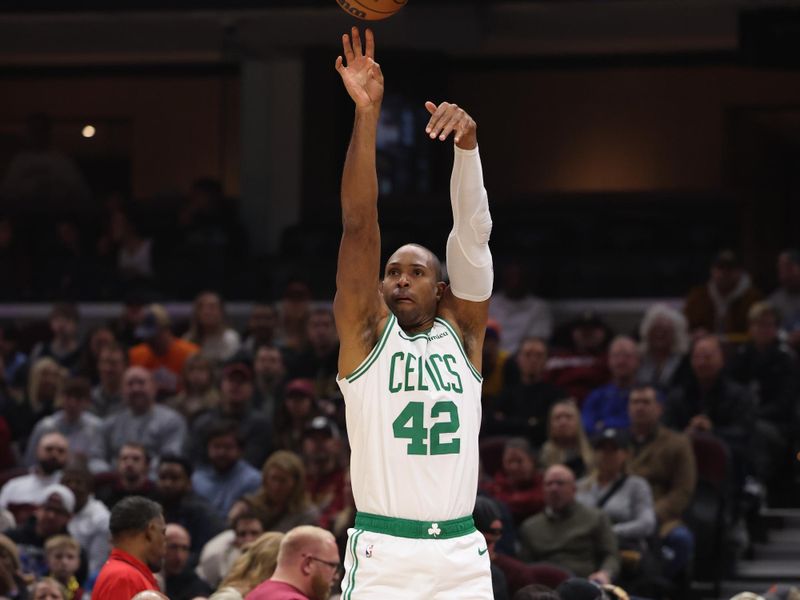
(421,327)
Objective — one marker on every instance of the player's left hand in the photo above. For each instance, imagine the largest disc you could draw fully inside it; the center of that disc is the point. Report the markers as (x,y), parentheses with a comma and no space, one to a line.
(447,118)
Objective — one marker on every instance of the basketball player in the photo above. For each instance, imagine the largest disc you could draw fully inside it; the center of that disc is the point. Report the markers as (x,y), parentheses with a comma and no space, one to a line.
(409,368)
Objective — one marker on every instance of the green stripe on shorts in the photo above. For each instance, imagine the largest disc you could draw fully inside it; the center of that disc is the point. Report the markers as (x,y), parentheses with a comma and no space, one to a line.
(418,530)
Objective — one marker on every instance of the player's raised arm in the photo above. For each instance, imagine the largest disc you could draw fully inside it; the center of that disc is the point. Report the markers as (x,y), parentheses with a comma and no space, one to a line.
(358,306)
(469,260)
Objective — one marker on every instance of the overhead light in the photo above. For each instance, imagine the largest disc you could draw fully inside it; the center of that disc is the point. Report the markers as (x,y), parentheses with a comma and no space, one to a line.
(88,131)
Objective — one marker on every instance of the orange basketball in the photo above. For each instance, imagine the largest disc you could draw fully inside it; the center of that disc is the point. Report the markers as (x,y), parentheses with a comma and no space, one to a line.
(371,10)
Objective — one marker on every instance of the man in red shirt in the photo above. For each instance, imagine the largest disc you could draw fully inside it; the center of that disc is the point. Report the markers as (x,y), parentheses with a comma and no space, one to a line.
(138,536)
(308,565)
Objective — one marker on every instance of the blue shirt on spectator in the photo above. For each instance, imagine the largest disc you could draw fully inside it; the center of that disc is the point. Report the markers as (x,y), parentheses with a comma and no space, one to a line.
(221,490)
(606,406)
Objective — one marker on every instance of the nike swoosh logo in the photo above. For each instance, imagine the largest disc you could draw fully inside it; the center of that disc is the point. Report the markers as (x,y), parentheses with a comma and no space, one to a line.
(482,552)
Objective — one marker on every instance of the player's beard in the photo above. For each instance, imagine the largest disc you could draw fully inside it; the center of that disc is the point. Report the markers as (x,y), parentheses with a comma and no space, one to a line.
(320,587)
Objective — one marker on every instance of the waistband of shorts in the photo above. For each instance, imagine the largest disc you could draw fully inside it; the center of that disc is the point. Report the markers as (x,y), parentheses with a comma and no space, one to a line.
(418,530)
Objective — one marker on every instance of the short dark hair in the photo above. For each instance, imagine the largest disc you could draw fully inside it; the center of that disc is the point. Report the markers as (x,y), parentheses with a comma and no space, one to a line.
(247,515)
(138,447)
(222,428)
(175,459)
(77,387)
(133,514)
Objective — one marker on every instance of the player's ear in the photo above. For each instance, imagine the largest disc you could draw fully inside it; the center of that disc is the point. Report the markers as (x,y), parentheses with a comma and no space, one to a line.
(441,286)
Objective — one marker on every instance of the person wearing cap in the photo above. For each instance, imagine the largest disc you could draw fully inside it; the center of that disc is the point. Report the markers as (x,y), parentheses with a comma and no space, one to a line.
(786,299)
(579,362)
(323,459)
(299,407)
(56,505)
(139,545)
(720,306)
(81,428)
(236,403)
(573,536)
(158,428)
(160,352)
(625,498)
(224,476)
(20,495)
(607,406)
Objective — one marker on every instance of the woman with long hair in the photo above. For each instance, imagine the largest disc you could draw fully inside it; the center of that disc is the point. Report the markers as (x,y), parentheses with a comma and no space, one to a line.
(566,442)
(664,334)
(282,502)
(210,331)
(256,564)
(44,384)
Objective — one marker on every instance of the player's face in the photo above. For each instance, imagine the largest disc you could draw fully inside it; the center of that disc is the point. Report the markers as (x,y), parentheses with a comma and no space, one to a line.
(410,287)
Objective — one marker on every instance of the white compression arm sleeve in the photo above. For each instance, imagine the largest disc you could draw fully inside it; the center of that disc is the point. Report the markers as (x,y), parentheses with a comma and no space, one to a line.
(469,261)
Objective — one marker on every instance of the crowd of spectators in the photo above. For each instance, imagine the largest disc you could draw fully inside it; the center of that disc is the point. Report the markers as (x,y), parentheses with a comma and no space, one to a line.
(588,441)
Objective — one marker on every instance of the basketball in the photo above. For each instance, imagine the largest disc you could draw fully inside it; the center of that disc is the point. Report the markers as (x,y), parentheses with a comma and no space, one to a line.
(371,10)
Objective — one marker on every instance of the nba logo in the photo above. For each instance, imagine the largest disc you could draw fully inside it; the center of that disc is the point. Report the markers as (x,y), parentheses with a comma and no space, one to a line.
(369,551)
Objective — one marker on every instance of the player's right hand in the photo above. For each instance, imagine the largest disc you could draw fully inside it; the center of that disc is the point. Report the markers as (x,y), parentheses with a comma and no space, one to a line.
(362,76)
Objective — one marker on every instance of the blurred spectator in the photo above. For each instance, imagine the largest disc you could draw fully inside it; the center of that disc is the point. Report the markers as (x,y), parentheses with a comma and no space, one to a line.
(296,412)
(236,403)
(161,353)
(48,588)
(21,494)
(137,534)
(293,312)
(579,363)
(82,429)
(40,179)
(296,575)
(107,394)
(256,564)
(318,360)
(15,362)
(131,477)
(767,368)
(209,331)
(282,502)
(15,263)
(523,407)
(261,328)
(179,581)
(199,392)
(98,338)
(225,477)
(123,244)
(720,306)
(270,377)
(89,523)
(487,520)
(626,499)
(666,460)
(66,269)
(664,333)
(518,484)
(786,299)
(64,347)
(44,383)
(323,458)
(12,584)
(55,507)
(219,554)
(568,534)
(182,505)
(133,311)
(517,311)
(63,556)
(711,401)
(493,366)
(567,443)
(159,429)
(607,406)
(8,458)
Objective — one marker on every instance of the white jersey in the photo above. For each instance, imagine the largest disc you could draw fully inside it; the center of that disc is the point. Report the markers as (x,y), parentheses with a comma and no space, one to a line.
(413,418)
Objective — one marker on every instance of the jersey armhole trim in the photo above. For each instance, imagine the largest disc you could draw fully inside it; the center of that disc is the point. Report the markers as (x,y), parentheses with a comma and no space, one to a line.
(475,373)
(372,356)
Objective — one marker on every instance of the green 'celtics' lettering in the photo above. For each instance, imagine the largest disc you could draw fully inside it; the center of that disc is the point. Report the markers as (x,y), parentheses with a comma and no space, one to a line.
(413,412)
(410,360)
(409,372)
(392,387)
(448,358)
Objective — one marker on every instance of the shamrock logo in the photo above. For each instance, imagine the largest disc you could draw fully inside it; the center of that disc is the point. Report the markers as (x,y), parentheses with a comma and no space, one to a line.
(434,529)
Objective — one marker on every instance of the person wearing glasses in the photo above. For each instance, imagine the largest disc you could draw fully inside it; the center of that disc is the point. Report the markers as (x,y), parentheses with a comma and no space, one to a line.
(410,365)
(308,566)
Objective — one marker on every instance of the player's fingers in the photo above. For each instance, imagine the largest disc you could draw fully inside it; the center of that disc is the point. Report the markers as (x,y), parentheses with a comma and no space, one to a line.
(451,124)
(430,106)
(348,49)
(356,42)
(438,119)
(370,43)
(339,65)
(376,72)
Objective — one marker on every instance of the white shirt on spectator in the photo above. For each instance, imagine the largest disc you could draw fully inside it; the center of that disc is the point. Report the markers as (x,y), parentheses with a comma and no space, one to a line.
(90,527)
(26,489)
(520,318)
(217,558)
